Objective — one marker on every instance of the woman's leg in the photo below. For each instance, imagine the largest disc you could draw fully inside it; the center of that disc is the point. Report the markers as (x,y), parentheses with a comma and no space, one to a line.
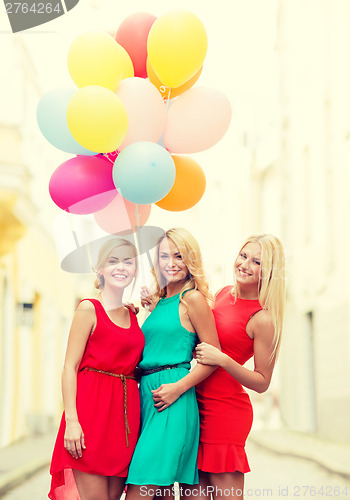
(166,492)
(116,487)
(196,491)
(91,486)
(227,485)
(144,492)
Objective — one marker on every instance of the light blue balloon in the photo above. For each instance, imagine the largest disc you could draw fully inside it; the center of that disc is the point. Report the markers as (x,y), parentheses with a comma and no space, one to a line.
(144,172)
(52,121)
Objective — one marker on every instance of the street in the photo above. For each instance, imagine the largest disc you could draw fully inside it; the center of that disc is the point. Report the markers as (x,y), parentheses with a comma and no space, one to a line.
(273,476)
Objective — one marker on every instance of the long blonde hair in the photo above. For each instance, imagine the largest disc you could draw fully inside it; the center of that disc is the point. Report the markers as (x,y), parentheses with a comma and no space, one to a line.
(192,258)
(104,252)
(271,288)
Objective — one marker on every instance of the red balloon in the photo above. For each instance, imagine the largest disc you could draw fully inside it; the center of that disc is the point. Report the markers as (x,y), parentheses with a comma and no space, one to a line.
(83,185)
(132,34)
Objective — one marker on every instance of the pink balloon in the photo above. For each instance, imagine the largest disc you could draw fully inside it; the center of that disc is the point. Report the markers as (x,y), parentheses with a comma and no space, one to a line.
(83,185)
(197,120)
(122,215)
(112,156)
(145,108)
(132,35)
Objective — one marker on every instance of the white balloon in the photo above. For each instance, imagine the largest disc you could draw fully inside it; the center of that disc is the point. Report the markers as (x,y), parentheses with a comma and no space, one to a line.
(145,109)
(197,120)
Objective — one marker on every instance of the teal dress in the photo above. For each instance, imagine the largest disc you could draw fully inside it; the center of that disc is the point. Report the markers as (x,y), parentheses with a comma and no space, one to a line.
(166,451)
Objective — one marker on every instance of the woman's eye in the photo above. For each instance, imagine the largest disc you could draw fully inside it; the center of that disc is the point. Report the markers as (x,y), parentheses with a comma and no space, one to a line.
(256,262)
(243,255)
(179,257)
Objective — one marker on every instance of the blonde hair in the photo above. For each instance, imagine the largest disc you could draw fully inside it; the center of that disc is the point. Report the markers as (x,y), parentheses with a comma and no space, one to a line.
(103,254)
(192,258)
(271,288)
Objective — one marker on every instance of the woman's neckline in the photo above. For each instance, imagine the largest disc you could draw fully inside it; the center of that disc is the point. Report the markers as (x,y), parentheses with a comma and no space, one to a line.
(248,300)
(110,319)
(171,297)
(241,298)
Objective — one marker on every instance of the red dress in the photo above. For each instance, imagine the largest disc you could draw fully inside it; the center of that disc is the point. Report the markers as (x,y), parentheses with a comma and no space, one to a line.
(225,409)
(100,406)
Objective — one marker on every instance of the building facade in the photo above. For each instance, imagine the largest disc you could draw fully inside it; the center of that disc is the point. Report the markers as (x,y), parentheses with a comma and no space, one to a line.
(36,298)
(304,194)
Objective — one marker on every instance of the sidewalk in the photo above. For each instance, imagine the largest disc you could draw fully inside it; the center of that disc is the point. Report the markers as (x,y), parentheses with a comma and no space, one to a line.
(335,457)
(26,457)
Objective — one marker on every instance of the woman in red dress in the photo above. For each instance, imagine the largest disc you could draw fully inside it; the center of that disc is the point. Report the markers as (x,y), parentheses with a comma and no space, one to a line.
(248,317)
(100,423)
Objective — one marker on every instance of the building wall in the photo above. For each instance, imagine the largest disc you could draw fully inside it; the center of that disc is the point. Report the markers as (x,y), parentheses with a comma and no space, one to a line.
(312,172)
(37,299)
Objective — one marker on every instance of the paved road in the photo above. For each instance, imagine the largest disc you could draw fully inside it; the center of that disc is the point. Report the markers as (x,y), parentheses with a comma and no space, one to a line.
(274,477)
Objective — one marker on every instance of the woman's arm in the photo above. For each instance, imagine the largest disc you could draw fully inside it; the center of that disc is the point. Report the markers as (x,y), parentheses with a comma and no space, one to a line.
(203,322)
(82,325)
(261,329)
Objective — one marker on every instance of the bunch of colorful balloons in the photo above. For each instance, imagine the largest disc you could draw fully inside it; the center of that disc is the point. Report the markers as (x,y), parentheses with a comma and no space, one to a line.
(132,118)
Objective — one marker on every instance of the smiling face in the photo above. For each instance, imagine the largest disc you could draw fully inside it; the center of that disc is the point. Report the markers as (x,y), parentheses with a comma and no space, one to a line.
(171,265)
(119,268)
(248,265)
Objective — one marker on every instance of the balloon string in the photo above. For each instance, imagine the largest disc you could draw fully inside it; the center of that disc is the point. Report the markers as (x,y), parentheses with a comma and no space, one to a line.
(138,239)
(111,153)
(137,216)
(89,255)
(167,101)
(139,244)
(70,220)
(76,241)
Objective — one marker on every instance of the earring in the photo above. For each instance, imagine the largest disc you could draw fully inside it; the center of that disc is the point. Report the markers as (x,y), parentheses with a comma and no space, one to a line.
(100,281)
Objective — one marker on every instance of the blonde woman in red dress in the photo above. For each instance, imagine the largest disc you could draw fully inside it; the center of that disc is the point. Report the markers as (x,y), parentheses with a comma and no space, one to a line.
(248,318)
(100,423)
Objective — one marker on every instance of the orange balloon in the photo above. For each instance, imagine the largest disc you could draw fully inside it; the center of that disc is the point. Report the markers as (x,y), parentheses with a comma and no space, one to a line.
(174,92)
(188,188)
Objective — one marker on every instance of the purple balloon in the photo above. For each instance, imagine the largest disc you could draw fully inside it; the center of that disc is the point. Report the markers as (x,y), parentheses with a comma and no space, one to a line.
(83,185)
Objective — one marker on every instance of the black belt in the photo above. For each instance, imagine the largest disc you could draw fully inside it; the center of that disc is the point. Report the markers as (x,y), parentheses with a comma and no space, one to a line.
(160,368)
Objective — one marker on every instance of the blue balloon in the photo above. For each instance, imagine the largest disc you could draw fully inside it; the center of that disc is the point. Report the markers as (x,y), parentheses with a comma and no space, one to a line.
(144,172)
(52,121)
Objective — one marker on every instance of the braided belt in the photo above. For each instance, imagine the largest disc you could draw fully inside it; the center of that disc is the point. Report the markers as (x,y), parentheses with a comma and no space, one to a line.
(123,378)
(160,368)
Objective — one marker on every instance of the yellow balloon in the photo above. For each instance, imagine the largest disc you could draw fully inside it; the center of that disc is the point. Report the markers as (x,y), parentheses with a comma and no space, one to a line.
(177,45)
(167,92)
(97,119)
(128,67)
(95,58)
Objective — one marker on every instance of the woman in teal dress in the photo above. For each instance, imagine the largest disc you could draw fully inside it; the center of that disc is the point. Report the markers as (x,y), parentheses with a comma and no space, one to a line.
(181,317)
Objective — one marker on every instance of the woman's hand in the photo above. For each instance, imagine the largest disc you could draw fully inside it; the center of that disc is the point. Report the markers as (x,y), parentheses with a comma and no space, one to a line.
(74,441)
(147,300)
(134,309)
(207,354)
(166,395)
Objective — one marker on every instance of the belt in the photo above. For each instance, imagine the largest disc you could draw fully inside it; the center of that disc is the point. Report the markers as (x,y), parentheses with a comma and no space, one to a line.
(123,378)
(161,368)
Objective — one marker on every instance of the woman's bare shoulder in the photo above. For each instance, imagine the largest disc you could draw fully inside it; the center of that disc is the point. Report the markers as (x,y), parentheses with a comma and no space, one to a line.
(86,306)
